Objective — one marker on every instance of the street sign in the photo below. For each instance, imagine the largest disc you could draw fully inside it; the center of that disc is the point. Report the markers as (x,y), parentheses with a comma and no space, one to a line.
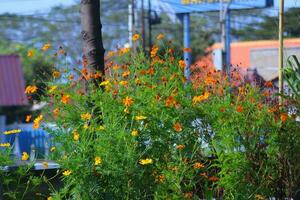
(191,6)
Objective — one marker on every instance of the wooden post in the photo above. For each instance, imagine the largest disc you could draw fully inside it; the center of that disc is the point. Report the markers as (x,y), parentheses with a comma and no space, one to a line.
(280,49)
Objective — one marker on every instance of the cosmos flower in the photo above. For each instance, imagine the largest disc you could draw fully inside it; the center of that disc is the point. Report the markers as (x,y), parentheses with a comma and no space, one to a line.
(177,127)
(146,161)
(25,156)
(98,160)
(12,131)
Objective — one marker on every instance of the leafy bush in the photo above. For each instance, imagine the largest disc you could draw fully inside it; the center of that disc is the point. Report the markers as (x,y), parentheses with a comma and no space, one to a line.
(144,132)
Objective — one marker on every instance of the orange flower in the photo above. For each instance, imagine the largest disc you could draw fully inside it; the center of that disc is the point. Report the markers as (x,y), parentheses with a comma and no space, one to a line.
(65,99)
(56,74)
(203,174)
(71,77)
(177,127)
(239,109)
(37,121)
(266,93)
(198,165)
(97,75)
(180,147)
(189,50)
(127,101)
(181,64)
(161,178)
(126,74)
(268,84)
(188,195)
(30,53)
(154,51)
(198,99)
(124,83)
(46,46)
(272,110)
(160,36)
(135,37)
(284,117)
(222,109)
(213,179)
(210,81)
(31,89)
(28,118)
(55,112)
(170,101)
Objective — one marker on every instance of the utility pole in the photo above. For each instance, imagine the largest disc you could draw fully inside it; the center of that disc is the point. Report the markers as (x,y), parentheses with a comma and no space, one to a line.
(143,25)
(225,22)
(186,40)
(280,50)
(130,25)
(149,24)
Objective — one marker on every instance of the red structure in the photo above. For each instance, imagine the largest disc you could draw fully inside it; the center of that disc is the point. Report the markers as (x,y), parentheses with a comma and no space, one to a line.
(12,83)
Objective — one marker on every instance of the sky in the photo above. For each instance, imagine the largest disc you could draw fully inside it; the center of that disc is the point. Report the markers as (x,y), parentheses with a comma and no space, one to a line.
(31,6)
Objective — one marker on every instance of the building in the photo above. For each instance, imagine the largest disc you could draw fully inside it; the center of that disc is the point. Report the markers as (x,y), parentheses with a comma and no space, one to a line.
(12,85)
(261,55)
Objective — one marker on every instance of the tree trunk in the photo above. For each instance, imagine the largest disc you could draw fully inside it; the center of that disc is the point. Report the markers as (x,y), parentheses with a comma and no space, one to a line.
(91,34)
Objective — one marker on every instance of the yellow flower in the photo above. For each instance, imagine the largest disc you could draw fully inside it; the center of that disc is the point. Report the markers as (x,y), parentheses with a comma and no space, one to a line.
(25,156)
(127,101)
(45,164)
(67,172)
(160,36)
(98,160)
(86,116)
(76,135)
(198,99)
(86,126)
(29,53)
(12,131)
(46,46)
(52,149)
(134,133)
(49,198)
(259,197)
(31,89)
(177,127)
(52,88)
(28,118)
(65,99)
(146,161)
(135,37)
(140,117)
(37,121)
(4,144)
(104,83)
